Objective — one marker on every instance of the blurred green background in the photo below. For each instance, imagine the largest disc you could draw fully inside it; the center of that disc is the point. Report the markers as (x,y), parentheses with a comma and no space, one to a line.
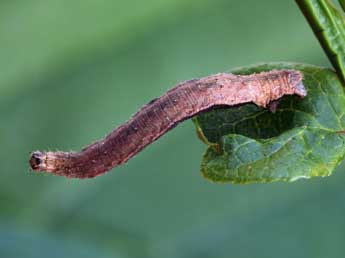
(70,71)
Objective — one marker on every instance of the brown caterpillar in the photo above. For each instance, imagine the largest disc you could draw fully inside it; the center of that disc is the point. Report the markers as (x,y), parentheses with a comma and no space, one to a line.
(160,115)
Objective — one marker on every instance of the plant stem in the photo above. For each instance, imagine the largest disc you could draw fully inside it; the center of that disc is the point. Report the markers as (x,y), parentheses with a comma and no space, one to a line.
(342,4)
(328,24)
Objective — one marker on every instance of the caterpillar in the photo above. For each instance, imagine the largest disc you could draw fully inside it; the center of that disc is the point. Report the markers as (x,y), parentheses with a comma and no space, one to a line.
(187,99)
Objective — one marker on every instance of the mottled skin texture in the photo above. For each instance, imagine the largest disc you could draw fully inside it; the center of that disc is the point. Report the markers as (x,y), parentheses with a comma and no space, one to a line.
(160,115)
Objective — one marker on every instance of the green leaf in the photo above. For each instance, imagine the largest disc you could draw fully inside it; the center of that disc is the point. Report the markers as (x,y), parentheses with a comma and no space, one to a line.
(300,140)
(328,24)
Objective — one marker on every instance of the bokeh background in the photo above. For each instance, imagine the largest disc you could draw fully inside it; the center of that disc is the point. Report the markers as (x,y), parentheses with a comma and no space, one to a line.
(70,71)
